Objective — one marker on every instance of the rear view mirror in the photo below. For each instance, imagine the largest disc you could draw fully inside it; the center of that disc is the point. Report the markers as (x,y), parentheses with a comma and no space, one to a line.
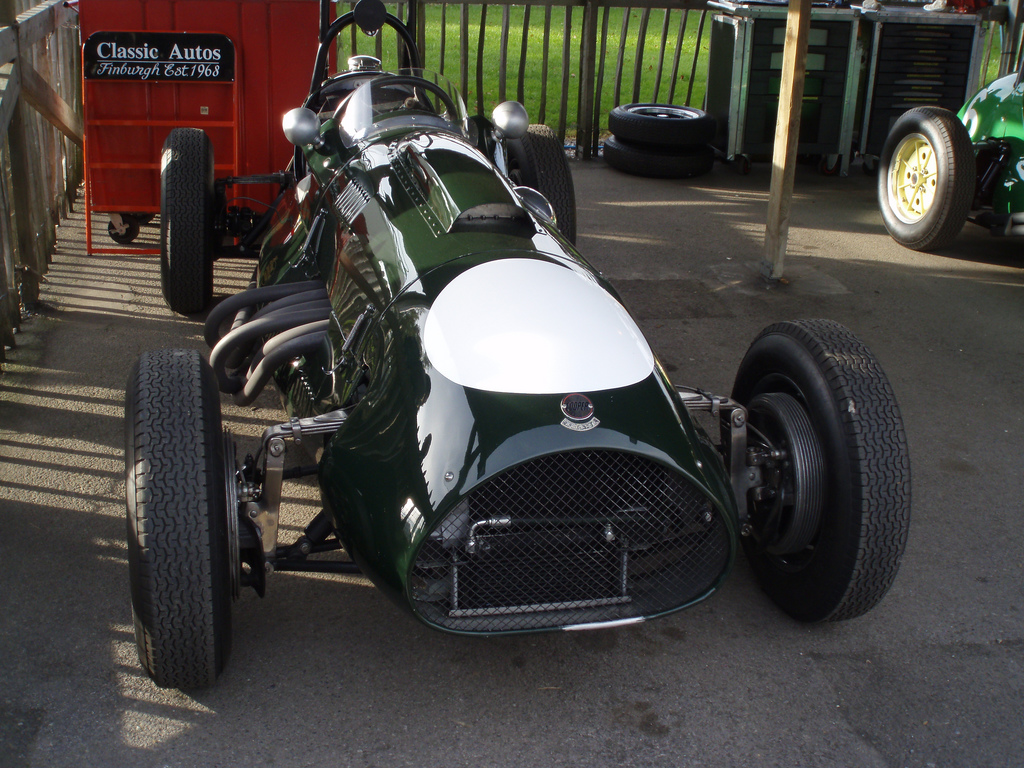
(302,127)
(511,119)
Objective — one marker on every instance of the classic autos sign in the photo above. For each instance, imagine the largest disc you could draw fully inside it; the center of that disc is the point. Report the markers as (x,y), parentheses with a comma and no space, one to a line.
(160,56)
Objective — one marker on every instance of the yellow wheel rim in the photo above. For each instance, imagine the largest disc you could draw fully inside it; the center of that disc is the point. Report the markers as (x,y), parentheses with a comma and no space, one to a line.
(913,178)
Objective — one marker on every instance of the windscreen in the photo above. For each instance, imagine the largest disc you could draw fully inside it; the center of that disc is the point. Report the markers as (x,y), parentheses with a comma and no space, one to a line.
(410,98)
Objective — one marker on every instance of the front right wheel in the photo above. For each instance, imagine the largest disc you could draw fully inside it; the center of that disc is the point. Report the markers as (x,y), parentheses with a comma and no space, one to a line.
(830,515)
(927,178)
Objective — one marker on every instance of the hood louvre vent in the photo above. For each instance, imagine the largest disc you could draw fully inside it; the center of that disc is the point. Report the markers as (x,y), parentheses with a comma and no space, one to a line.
(352,201)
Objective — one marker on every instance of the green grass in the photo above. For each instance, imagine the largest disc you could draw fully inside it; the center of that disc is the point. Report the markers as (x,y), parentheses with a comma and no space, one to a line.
(992,71)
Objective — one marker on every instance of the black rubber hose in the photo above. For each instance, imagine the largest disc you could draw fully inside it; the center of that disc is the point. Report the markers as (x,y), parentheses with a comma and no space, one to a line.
(282,354)
(247,334)
(233,304)
(240,353)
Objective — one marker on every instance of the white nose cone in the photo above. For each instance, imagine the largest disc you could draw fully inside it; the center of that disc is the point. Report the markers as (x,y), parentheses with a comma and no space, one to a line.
(533,327)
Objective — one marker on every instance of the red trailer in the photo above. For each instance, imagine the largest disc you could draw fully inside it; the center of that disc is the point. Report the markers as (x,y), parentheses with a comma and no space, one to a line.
(229,67)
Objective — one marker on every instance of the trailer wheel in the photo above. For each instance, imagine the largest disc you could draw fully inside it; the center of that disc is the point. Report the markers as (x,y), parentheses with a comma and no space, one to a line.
(186,220)
(926,187)
(130,225)
(538,160)
(178,547)
(814,390)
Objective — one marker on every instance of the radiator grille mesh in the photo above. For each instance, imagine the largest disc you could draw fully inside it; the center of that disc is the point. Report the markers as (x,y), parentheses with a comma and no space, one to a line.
(572,538)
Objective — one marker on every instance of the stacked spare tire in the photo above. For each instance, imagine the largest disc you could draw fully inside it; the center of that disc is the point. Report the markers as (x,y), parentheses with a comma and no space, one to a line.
(660,140)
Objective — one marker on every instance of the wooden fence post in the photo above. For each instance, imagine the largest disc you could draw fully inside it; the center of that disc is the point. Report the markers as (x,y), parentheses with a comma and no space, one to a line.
(19,145)
(787,136)
(10,314)
(588,72)
(10,306)
(1011,31)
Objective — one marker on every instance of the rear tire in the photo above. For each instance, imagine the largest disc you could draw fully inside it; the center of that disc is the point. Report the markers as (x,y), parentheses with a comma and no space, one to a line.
(537,160)
(186,220)
(177,519)
(850,561)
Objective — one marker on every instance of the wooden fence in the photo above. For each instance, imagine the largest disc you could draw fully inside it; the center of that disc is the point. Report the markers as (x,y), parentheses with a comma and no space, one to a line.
(568,61)
(40,157)
(571,62)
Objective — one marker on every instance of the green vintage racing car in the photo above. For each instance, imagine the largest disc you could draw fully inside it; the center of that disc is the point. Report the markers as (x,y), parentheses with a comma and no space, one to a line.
(498,448)
(939,170)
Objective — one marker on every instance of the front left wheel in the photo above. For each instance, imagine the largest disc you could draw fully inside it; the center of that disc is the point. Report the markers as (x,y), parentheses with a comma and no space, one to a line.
(830,515)
(178,527)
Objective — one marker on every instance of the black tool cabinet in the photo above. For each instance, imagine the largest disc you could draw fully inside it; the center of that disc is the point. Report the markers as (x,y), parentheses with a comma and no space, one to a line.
(864,69)
(745,72)
(916,59)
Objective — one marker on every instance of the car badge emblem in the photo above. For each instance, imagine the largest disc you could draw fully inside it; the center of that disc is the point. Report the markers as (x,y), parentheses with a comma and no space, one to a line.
(579,413)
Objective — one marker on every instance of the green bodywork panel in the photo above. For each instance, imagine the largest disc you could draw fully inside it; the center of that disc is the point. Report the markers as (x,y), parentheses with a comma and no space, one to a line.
(424,442)
(393,222)
(997,112)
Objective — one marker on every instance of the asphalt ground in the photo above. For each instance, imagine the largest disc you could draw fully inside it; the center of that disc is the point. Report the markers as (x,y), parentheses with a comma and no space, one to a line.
(326,672)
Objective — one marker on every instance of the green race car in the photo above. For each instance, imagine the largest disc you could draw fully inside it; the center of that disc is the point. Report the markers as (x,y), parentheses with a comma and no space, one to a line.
(498,448)
(939,170)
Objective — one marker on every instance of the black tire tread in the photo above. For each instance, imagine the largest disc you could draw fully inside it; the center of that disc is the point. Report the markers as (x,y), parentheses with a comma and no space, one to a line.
(544,167)
(186,183)
(655,162)
(182,624)
(637,128)
(960,181)
(878,463)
